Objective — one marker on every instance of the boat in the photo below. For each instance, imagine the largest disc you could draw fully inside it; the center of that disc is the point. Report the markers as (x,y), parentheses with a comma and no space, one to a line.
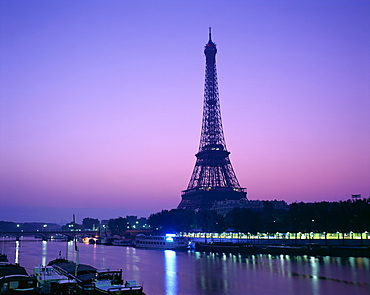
(90,280)
(122,242)
(15,280)
(49,281)
(105,241)
(169,241)
(110,282)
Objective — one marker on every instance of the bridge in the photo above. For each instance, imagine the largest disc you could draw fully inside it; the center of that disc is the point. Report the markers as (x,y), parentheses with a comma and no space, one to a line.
(46,235)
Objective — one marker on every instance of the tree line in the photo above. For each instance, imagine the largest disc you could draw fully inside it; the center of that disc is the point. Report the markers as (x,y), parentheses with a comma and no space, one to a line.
(343,216)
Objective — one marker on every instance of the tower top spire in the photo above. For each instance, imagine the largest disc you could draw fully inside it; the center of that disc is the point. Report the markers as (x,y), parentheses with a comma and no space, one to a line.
(210,48)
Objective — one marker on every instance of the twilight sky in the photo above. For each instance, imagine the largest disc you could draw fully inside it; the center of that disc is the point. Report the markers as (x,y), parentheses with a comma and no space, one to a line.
(101,102)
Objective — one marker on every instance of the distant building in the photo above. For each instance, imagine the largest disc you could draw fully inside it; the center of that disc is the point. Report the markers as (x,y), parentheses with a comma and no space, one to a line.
(225,206)
(104,226)
(104,223)
(358,196)
(137,223)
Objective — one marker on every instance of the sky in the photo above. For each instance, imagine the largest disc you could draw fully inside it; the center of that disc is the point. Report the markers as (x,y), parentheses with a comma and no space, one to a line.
(101,102)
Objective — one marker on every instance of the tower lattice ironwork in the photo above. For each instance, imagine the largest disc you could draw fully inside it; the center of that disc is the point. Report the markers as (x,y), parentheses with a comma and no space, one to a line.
(213,177)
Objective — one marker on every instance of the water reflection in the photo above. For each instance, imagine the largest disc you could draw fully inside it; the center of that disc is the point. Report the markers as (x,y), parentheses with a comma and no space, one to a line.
(170,279)
(44,252)
(16,260)
(3,246)
(315,275)
(70,253)
(199,273)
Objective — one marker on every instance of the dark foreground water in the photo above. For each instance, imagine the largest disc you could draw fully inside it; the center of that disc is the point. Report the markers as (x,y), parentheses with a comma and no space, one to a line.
(169,272)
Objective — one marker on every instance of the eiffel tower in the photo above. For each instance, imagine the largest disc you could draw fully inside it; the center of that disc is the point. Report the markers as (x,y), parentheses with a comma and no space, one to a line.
(213,178)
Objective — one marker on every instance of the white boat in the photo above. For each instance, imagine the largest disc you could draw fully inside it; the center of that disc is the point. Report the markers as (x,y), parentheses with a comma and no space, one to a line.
(168,241)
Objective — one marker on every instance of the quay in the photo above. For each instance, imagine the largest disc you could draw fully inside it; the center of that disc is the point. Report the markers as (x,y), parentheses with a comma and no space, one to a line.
(324,239)
(322,244)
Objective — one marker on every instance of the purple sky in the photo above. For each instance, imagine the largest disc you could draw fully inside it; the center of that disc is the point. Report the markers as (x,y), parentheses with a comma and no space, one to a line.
(101,102)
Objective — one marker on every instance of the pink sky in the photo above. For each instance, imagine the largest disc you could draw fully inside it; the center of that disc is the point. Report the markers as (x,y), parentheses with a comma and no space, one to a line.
(101,102)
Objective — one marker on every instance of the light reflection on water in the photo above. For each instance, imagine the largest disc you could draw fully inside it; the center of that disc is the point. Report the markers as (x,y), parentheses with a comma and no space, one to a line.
(314,273)
(170,278)
(44,252)
(16,260)
(169,272)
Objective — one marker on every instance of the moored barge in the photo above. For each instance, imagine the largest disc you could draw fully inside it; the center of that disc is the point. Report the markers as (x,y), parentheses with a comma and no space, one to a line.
(15,280)
(90,280)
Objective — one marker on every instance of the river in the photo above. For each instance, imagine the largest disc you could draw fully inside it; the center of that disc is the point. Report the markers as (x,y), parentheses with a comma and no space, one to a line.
(169,272)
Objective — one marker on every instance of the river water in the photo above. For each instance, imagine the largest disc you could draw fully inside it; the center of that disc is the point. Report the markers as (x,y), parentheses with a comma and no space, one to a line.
(169,272)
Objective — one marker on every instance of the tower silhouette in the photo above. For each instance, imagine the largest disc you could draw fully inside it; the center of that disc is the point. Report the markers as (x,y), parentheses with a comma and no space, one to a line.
(213,178)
